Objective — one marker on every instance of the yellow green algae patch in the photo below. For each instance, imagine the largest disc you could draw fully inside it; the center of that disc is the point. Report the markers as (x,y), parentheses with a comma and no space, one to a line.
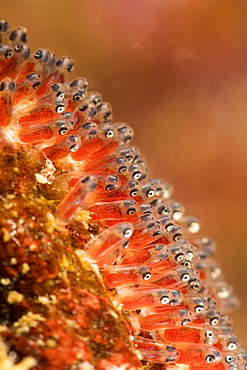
(55,313)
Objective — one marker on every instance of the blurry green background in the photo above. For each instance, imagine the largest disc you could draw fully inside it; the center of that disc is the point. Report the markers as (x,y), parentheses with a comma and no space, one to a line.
(175,71)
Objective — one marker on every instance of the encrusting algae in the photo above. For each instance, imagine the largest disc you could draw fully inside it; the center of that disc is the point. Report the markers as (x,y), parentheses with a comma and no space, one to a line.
(99,265)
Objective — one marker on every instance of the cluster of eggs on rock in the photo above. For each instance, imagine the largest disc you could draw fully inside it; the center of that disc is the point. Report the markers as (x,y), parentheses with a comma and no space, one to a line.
(154,267)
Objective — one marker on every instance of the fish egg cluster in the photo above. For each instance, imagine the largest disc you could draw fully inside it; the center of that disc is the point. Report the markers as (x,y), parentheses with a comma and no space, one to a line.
(156,270)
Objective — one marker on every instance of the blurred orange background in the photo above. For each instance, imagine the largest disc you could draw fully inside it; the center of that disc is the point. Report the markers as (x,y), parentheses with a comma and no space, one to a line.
(175,71)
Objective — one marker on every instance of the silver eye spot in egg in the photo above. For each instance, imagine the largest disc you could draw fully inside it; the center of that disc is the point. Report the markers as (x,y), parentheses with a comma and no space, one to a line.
(32,76)
(60,108)
(137,175)
(127,233)
(134,192)
(150,193)
(70,67)
(74,148)
(214,321)
(18,48)
(179,257)
(131,211)
(77,97)
(60,94)
(210,359)
(166,210)
(185,277)
(8,53)
(177,236)
(195,285)
(97,100)
(163,210)
(209,334)
(173,302)
(185,322)
(83,107)
(186,263)
(73,138)
(190,255)
(215,272)
(60,123)
(36,85)
(38,54)
(129,158)
(146,275)
(169,226)
(60,61)
(122,169)
(63,130)
(199,309)
(92,133)
(229,359)
(157,233)
(232,346)
(110,187)
(125,244)
(107,114)
(109,133)
(164,300)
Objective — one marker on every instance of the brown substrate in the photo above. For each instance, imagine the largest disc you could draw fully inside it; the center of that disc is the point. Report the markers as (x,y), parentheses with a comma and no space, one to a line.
(53,306)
